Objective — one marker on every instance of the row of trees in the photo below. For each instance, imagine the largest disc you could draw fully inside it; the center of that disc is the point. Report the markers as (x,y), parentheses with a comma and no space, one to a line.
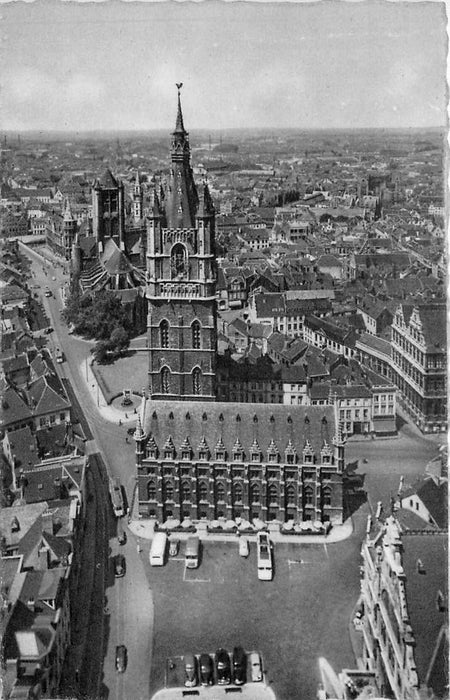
(101,317)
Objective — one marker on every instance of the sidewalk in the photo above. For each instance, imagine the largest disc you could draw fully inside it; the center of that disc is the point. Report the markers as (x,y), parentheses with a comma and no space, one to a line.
(110,413)
(145,529)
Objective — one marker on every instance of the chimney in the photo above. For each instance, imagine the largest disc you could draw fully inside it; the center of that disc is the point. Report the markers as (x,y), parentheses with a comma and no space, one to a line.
(43,559)
(47,523)
(57,488)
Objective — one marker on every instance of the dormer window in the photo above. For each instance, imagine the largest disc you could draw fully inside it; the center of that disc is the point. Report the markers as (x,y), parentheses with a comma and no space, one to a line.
(169,449)
(238,452)
(272,452)
(308,454)
(203,450)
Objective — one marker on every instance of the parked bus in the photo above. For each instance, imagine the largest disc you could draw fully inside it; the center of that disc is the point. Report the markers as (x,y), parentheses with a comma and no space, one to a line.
(115,491)
(192,552)
(264,557)
(158,549)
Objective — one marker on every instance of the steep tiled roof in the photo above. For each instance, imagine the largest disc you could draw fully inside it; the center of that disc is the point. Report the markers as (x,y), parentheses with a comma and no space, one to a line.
(434,325)
(424,614)
(114,260)
(23,447)
(14,408)
(247,422)
(47,395)
(435,498)
(107,180)
(268,305)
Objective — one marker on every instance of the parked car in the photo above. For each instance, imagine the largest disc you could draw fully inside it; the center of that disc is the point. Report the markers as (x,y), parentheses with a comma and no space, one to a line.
(122,536)
(48,292)
(190,670)
(243,547)
(206,670)
(174,546)
(59,356)
(255,667)
(121,658)
(223,667)
(48,330)
(239,666)
(119,566)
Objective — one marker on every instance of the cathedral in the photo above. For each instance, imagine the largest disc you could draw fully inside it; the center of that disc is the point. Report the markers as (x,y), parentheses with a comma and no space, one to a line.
(196,457)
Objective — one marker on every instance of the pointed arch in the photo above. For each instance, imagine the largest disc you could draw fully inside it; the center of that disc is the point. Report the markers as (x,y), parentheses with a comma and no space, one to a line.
(164,333)
(196,334)
(165,380)
(197,381)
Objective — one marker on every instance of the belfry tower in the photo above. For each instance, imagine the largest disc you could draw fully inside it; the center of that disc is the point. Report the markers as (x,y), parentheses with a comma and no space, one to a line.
(181,281)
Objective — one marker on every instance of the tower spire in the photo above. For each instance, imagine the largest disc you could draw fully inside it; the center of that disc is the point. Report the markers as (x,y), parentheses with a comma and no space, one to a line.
(179,125)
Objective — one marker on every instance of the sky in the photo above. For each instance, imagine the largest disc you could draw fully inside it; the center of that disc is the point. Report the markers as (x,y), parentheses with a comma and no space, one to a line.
(81,66)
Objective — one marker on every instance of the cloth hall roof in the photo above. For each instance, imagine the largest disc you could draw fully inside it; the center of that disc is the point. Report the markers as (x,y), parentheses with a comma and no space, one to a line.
(293,426)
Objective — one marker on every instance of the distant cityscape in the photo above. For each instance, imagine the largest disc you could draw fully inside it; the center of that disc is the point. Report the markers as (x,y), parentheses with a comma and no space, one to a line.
(224,414)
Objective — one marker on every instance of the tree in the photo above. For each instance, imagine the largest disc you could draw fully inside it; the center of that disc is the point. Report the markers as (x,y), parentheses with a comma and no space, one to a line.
(120,340)
(100,351)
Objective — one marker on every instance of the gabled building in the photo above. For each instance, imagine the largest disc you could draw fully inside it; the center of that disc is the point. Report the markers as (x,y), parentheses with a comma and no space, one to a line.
(404,589)
(419,363)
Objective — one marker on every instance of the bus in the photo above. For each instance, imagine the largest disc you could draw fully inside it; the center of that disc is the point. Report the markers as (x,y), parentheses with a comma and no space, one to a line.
(158,549)
(192,552)
(115,491)
(264,557)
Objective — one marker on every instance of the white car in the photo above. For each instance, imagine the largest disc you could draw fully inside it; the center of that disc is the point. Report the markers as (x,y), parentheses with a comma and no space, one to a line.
(255,667)
(243,547)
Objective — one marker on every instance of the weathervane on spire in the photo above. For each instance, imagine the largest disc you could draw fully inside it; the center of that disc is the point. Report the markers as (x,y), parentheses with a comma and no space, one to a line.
(179,86)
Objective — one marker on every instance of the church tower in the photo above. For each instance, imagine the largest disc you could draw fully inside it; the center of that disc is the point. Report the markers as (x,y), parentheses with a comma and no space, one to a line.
(108,210)
(181,281)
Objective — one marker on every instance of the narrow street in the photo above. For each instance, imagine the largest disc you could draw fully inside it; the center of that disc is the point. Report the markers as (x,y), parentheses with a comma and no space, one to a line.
(129,619)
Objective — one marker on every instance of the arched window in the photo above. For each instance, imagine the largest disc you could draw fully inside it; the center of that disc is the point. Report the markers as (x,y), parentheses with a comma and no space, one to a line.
(168,492)
(165,380)
(151,491)
(203,491)
(309,495)
(185,492)
(178,261)
(272,493)
(238,492)
(254,493)
(326,493)
(196,335)
(197,381)
(290,496)
(164,334)
(220,492)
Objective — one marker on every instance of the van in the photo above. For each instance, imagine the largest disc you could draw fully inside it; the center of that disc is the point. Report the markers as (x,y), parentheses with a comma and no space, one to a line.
(158,549)
(192,552)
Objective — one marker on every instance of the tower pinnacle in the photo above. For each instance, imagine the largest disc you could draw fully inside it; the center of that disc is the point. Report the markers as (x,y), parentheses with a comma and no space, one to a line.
(179,126)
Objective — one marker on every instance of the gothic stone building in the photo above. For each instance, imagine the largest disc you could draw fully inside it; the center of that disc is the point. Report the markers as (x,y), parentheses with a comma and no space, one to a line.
(197,457)
(229,460)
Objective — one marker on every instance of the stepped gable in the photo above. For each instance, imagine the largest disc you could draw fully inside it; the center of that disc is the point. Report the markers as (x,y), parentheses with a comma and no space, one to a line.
(246,422)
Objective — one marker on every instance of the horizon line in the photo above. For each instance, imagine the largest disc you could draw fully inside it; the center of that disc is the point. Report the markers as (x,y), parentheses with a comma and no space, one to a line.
(131,130)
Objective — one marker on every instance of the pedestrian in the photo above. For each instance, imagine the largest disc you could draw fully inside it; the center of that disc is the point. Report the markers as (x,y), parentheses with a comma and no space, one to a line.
(126,439)
(120,422)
